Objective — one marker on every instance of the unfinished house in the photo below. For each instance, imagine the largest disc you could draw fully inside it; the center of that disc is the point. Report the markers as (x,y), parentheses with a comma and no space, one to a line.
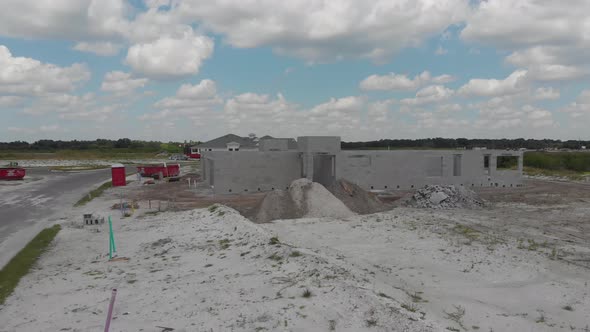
(320,159)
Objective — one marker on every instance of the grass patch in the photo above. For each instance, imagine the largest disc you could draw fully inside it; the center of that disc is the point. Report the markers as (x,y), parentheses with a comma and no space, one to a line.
(93,194)
(306,293)
(224,244)
(20,264)
(556,161)
(457,315)
(212,208)
(275,257)
(274,240)
(371,322)
(295,254)
(411,307)
(467,231)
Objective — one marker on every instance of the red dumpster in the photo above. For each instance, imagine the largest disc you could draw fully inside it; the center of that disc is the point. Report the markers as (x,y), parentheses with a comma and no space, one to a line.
(157,169)
(12,173)
(118,175)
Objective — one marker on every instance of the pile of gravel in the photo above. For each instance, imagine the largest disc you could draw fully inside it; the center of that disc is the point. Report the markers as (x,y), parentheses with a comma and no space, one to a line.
(356,198)
(445,197)
(304,199)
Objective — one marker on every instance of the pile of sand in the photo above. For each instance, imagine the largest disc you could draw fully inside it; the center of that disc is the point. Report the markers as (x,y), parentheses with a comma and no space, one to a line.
(356,198)
(304,199)
(445,197)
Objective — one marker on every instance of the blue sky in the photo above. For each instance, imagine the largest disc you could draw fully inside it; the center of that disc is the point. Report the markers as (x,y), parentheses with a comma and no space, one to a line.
(195,69)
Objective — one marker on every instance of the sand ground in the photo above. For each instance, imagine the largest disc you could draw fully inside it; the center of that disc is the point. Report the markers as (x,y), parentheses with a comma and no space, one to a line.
(520,264)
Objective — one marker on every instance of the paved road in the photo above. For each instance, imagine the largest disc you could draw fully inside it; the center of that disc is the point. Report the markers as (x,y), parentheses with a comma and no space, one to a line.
(29,206)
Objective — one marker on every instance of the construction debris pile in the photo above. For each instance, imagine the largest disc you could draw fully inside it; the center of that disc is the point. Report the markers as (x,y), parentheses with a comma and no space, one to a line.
(445,197)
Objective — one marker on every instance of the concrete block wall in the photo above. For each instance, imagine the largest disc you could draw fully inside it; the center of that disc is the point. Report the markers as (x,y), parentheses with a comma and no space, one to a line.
(414,169)
(247,171)
(274,144)
(250,171)
(319,144)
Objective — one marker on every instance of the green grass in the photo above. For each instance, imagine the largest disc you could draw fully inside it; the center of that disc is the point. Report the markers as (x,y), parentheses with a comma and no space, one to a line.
(20,264)
(93,194)
(558,161)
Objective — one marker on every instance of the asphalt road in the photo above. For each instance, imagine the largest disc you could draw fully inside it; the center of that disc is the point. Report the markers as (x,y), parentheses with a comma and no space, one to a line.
(37,201)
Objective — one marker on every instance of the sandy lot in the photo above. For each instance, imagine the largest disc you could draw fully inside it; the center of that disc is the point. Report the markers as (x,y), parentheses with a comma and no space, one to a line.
(520,264)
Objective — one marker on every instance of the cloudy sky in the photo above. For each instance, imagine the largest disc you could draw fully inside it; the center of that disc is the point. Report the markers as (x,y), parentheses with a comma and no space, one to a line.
(197,69)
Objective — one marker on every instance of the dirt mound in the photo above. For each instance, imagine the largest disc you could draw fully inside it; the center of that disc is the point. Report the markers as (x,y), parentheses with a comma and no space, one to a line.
(304,199)
(277,204)
(445,197)
(356,198)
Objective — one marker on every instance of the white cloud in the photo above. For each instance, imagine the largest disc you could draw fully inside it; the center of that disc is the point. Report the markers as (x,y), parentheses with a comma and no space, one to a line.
(189,100)
(199,96)
(546,94)
(44,129)
(428,95)
(69,19)
(441,51)
(548,38)
(99,48)
(398,82)
(49,128)
(11,101)
(580,107)
(170,57)
(60,103)
(72,107)
(121,84)
(515,83)
(326,30)
(26,76)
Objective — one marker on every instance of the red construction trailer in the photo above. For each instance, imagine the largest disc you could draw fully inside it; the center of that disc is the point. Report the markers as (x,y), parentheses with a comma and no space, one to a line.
(158,170)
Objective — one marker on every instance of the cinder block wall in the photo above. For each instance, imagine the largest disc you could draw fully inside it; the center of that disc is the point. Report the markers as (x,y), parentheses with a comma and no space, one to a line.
(247,171)
(414,169)
(251,171)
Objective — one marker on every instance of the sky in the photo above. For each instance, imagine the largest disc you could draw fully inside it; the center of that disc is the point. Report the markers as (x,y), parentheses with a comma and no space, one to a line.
(175,70)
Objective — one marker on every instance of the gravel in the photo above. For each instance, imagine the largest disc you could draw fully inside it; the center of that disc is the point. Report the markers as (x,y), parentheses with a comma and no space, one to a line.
(445,197)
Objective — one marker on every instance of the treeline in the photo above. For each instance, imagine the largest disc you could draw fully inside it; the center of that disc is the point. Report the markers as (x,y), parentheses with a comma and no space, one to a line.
(456,143)
(99,144)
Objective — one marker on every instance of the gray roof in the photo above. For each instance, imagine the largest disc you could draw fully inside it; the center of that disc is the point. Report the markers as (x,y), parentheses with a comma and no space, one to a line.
(245,142)
(221,142)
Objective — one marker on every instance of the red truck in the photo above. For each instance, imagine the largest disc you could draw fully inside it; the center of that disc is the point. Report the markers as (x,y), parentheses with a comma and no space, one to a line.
(157,170)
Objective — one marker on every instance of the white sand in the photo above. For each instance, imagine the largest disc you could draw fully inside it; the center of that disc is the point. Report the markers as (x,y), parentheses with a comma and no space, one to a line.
(195,271)
(203,270)
(501,287)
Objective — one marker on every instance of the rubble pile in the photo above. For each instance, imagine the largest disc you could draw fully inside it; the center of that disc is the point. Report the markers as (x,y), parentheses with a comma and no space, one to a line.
(445,197)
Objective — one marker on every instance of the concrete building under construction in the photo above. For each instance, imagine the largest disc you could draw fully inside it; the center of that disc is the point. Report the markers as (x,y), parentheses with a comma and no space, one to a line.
(319,158)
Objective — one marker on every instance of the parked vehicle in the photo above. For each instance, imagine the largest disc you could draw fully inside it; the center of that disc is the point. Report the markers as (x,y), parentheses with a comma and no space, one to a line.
(178,157)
